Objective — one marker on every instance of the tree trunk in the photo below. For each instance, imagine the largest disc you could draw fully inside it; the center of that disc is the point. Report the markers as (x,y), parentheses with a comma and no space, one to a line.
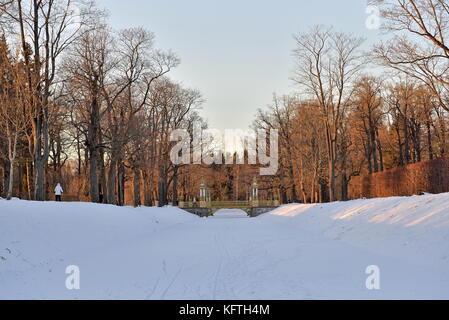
(313,197)
(136,184)
(442,124)
(323,197)
(332,180)
(39,192)
(6,173)
(121,184)
(111,181)
(28,178)
(175,187)
(93,176)
(103,190)
(406,143)
(374,150)
(41,152)
(11,179)
(92,141)
(429,140)
(147,190)
(162,186)
(368,157)
(332,151)
(78,153)
(379,149)
(344,187)
(162,193)
(301,181)
(283,193)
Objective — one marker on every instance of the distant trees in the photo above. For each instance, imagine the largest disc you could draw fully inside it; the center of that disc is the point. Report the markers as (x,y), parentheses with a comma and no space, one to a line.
(44,29)
(345,122)
(128,112)
(384,125)
(419,48)
(93,106)
(326,64)
(279,116)
(13,117)
(84,74)
(368,115)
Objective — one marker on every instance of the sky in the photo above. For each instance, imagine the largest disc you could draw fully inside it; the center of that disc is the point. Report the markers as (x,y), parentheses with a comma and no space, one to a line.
(236,52)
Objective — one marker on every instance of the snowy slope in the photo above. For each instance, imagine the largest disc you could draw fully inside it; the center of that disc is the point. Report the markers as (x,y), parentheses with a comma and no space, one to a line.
(294,252)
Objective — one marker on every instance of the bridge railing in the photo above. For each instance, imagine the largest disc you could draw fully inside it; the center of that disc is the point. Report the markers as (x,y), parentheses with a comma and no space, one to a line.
(229,204)
(268,203)
(189,204)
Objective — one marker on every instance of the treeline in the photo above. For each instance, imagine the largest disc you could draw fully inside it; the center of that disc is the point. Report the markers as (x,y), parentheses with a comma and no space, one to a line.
(86,105)
(93,108)
(363,112)
(414,179)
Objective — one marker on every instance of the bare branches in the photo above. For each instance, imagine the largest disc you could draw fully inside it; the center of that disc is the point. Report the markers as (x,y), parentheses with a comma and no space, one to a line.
(327,62)
(420,50)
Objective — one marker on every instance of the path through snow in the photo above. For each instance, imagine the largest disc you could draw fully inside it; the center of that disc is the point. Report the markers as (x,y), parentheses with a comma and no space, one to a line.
(295,252)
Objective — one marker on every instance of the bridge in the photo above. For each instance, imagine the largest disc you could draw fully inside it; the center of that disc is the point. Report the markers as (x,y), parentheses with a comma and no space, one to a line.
(205,208)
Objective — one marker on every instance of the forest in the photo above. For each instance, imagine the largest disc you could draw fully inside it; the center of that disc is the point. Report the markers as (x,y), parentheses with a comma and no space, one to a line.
(93,108)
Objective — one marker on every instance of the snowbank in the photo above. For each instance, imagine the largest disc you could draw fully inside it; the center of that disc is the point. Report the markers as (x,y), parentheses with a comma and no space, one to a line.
(415,227)
(294,252)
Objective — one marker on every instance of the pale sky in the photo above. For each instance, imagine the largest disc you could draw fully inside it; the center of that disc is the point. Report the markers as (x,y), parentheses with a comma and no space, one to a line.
(236,52)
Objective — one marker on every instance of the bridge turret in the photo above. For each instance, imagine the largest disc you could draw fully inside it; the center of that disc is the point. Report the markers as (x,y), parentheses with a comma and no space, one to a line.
(254,193)
(205,197)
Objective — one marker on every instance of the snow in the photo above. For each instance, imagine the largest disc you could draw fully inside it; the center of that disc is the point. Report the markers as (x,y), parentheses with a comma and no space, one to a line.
(230,214)
(297,251)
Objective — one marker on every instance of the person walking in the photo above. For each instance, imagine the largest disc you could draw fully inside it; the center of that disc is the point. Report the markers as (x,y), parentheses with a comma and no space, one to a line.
(58,192)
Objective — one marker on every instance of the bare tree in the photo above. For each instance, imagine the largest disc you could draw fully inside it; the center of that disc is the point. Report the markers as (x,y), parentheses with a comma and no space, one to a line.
(45,29)
(326,64)
(420,48)
(139,64)
(86,67)
(13,118)
(367,109)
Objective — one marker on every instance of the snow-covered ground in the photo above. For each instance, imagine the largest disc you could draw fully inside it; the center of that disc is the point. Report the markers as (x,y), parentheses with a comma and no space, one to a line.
(295,252)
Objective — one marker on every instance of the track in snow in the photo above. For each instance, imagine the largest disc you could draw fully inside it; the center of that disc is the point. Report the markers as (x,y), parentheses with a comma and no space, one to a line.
(126,253)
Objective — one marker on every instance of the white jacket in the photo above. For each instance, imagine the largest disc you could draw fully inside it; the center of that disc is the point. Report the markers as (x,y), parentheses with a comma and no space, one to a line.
(58,190)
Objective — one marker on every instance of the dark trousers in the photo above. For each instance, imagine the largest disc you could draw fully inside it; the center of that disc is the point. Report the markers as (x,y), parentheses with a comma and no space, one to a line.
(58,197)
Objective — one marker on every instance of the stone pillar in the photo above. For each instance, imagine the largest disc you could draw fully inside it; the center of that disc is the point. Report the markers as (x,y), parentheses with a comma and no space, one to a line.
(254,193)
(276,201)
(208,197)
(203,196)
(181,202)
